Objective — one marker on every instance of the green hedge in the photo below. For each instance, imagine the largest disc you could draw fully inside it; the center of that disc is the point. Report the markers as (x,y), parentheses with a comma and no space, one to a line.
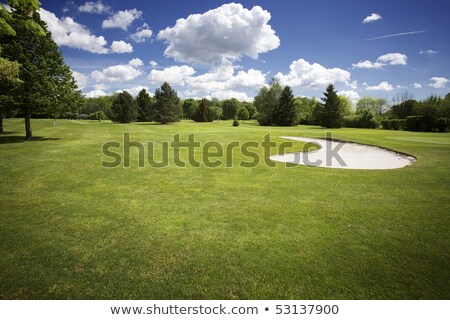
(393,124)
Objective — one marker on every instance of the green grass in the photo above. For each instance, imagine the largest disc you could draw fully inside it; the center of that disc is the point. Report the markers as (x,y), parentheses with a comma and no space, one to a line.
(73,230)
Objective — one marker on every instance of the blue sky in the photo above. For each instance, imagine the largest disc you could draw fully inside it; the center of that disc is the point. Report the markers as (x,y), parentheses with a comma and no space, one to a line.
(222,49)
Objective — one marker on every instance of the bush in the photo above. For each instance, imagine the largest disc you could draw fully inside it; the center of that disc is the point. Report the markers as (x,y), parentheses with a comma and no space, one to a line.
(83,116)
(415,123)
(386,124)
(99,115)
(71,115)
(397,124)
(235,123)
(441,124)
(365,119)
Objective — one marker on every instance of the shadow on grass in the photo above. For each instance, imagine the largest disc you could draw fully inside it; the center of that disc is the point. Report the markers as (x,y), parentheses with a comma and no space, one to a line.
(17,139)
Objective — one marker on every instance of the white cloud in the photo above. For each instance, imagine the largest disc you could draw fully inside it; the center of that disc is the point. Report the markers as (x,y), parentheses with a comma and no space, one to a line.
(142,34)
(228,32)
(372,18)
(80,79)
(428,52)
(351,94)
(67,32)
(153,63)
(122,19)
(95,94)
(94,7)
(384,60)
(118,73)
(303,74)
(417,85)
(221,81)
(393,59)
(366,64)
(121,47)
(352,85)
(175,75)
(439,82)
(383,86)
(134,91)
(136,62)
(101,86)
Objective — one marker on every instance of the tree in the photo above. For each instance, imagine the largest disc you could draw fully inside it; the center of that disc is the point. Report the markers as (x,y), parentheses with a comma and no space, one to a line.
(166,108)
(330,112)
(404,109)
(217,112)
(124,108)
(43,72)
(285,114)
(305,107)
(230,108)
(402,97)
(250,108)
(377,106)
(204,112)
(346,105)
(189,107)
(144,104)
(92,105)
(267,102)
(243,114)
(9,78)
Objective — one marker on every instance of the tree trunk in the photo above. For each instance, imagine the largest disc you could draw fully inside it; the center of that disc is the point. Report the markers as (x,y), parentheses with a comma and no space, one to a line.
(1,123)
(29,134)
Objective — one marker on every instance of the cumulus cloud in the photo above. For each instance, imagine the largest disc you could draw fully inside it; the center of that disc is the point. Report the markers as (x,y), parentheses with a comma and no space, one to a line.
(134,91)
(439,82)
(121,47)
(428,52)
(95,94)
(383,86)
(142,34)
(122,19)
(153,63)
(101,86)
(80,79)
(384,60)
(372,18)
(227,32)
(417,85)
(67,32)
(221,81)
(351,94)
(117,73)
(94,7)
(175,75)
(303,74)
(136,62)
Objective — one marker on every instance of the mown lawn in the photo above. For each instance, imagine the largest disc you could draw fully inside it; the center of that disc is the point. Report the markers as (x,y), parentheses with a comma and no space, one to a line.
(71,229)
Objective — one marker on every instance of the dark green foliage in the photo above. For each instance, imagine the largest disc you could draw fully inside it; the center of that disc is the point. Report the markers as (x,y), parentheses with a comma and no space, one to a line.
(250,108)
(230,109)
(235,122)
(415,123)
(393,124)
(286,114)
(404,109)
(189,108)
(166,109)
(329,114)
(441,124)
(243,113)
(124,108)
(363,119)
(204,112)
(144,104)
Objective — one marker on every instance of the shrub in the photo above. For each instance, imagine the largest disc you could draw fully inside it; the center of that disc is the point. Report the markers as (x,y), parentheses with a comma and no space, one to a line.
(365,119)
(235,123)
(99,115)
(386,124)
(441,124)
(414,123)
(83,116)
(351,121)
(397,124)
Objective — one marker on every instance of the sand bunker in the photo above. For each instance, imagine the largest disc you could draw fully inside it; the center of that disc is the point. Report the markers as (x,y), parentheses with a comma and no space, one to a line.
(345,155)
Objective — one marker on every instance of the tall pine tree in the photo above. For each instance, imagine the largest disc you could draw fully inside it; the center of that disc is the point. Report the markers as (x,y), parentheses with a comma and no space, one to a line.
(124,108)
(329,113)
(166,108)
(144,104)
(286,114)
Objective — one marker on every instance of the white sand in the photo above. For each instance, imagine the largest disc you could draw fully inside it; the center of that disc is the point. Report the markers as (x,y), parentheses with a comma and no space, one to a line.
(353,155)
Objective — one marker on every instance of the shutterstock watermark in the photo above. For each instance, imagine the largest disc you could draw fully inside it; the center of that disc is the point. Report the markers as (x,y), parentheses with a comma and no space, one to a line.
(189,152)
